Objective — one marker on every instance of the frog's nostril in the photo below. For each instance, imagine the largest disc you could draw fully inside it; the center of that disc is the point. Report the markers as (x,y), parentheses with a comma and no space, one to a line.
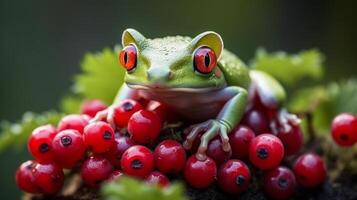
(159,74)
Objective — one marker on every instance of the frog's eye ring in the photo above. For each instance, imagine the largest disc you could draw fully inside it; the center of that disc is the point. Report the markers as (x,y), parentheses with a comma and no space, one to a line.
(128,57)
(204,60)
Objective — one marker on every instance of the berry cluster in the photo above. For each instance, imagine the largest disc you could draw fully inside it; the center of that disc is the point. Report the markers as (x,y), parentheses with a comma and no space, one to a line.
(136,149)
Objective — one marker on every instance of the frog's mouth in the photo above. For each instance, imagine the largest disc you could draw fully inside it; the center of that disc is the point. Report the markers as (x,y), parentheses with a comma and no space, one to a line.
(160,88)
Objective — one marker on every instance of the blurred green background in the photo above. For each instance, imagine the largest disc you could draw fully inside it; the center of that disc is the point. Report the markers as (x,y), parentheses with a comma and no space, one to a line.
(42,42)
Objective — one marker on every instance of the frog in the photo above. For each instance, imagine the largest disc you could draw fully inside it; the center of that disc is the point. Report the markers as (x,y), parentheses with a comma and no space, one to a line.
(200,80)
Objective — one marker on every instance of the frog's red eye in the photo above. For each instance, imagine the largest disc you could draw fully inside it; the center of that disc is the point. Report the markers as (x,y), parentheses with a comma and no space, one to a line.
(127,57)
(204,60)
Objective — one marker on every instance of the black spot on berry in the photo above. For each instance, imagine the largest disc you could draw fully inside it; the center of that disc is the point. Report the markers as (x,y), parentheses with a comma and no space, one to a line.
(136,164)
(44,147)
(262,153)
(344,137)
(283,183)
(107,135)
(66,140)
(127,106)
(240,180)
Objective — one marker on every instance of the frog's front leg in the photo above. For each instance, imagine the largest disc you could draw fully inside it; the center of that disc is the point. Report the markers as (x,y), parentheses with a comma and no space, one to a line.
(227,119)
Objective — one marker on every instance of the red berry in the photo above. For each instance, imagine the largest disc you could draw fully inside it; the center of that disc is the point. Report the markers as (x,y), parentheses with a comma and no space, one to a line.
(344,129)
(25,179)
(99,137)
(157,178)
(137,161)
(115,153)
(76,122)
(257,121)
(49,178)
(234,176)
(68,148)
(200,174)
(91,107)
(279,183)
(310,170)
(40,143)
(239,140)
(215,151)
(159,109)
(170,157)
(292,140)
(196,142)
(95,170)
(115,175)
(124,110)
(266,151)
(144,126)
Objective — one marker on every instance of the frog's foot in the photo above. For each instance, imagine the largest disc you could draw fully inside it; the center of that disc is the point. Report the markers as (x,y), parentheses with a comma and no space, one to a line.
(107,114)
(283,122)
(211,128)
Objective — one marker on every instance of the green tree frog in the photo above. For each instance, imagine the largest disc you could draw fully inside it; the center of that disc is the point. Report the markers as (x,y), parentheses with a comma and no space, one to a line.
(198,79)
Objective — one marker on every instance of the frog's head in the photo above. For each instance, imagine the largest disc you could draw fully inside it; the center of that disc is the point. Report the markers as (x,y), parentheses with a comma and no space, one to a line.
(172,62)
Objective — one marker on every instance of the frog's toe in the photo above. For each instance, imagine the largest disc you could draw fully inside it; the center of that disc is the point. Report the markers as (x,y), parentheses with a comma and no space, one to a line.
(284,122)
(225,139)
(192,133)
(110,118)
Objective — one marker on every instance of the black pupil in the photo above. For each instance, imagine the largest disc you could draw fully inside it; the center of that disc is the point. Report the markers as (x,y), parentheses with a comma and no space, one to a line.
(207,60)
(125,57)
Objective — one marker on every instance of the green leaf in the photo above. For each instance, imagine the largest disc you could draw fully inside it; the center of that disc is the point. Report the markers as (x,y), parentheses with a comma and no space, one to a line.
(101,76)
(289,69)
(325,102)
(131,189)
(16,134)
(71,104)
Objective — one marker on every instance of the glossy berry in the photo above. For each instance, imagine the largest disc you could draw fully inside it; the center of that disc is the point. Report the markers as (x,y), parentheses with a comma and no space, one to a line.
(159,109)
(128,57)
(68,148)
(92,107)
(115,175)
(205,60)
(115,153)
(157,178)
(49,178)
(200,174)
(279,183)
(239,140)
(40,143)
(76,122)
(344,129)
(99,137)
(95,170)
(310,170)
(137,161)
(234,176)
(25,179)
(215,151)
(170,157)
(124,110)
(257,121)
(292,141)
(144,127)
(266,151)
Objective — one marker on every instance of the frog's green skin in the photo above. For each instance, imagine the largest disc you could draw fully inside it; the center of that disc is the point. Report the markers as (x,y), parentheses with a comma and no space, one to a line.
(164,72)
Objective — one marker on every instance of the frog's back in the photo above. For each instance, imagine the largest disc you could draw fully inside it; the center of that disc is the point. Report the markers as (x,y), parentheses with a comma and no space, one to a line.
(234,70)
